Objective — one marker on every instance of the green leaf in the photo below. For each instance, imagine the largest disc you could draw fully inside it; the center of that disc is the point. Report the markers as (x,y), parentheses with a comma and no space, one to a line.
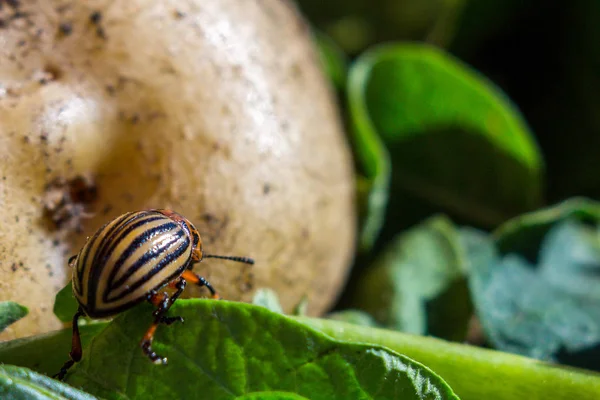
(267,298)
(226,349)
(570,259)
(457,144)
(45,353)
(539,311)
(475,373)
(65,304)
(374,159)
(11,312)
(525,233)
(271,396)
(417,284)
(333,59)
(23,384)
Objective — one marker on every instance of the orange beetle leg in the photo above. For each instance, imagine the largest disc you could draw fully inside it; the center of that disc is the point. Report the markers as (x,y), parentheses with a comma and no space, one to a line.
(163,302)
(200,281)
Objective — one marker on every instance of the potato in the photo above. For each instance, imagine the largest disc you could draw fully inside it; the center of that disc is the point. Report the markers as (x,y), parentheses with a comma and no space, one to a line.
(216,109)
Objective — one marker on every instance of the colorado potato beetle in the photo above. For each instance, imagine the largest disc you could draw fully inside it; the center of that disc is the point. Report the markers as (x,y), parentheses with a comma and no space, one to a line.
(129,260)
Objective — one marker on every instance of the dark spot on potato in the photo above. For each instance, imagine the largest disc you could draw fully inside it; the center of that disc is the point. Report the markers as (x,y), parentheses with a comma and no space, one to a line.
(61,9)
(101,33)
(179,14)
(214,227)
(246,280)
(13,267)
(284,126)
(296,70)
(51,73)
(266,189)
(225,110)
(128,197)
(305,233)
(66,202)
(96,17)
(65,28)
(19,14)
(208,217)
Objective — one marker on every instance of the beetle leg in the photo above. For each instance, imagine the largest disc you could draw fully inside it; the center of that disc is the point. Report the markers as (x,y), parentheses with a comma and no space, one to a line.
(158,299)
(170,320)
(163,302)
(76,351)
(192,277)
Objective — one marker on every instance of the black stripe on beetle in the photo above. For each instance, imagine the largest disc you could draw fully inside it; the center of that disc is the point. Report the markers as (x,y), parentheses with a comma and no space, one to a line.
(156,269)
(142,239)
(112,240)
(85,253)
(100,262)
(129,260)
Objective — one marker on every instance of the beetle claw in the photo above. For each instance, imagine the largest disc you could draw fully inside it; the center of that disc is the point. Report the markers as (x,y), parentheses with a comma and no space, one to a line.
(170,320)
(161,360)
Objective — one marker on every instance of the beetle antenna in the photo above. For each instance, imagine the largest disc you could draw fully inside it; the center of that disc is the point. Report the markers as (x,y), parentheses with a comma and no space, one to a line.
(244,260)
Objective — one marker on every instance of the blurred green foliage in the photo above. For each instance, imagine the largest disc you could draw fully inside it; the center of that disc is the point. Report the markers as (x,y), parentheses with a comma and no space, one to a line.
(406,288)
(484,114)
(11,312)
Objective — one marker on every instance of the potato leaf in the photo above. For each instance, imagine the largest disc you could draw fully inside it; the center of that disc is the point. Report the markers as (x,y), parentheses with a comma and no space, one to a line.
(45,353)
(11,312)
(457,144)
(417,284)
(374,182)
(475,373)
(65,304)
(539,310)
(18,383)
(524,234)
(271,396)
(225,350)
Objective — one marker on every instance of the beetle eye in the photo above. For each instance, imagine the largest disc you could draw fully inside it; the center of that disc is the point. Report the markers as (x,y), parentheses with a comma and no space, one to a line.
(72,260)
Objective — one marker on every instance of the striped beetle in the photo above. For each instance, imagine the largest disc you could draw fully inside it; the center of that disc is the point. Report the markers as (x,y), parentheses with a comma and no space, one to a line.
(129,260)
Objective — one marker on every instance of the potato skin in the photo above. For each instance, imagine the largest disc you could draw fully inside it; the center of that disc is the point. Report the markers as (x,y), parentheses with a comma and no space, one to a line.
(216,109)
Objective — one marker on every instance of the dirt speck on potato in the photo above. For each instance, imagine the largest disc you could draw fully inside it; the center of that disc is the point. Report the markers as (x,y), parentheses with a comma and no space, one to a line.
(67,202)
